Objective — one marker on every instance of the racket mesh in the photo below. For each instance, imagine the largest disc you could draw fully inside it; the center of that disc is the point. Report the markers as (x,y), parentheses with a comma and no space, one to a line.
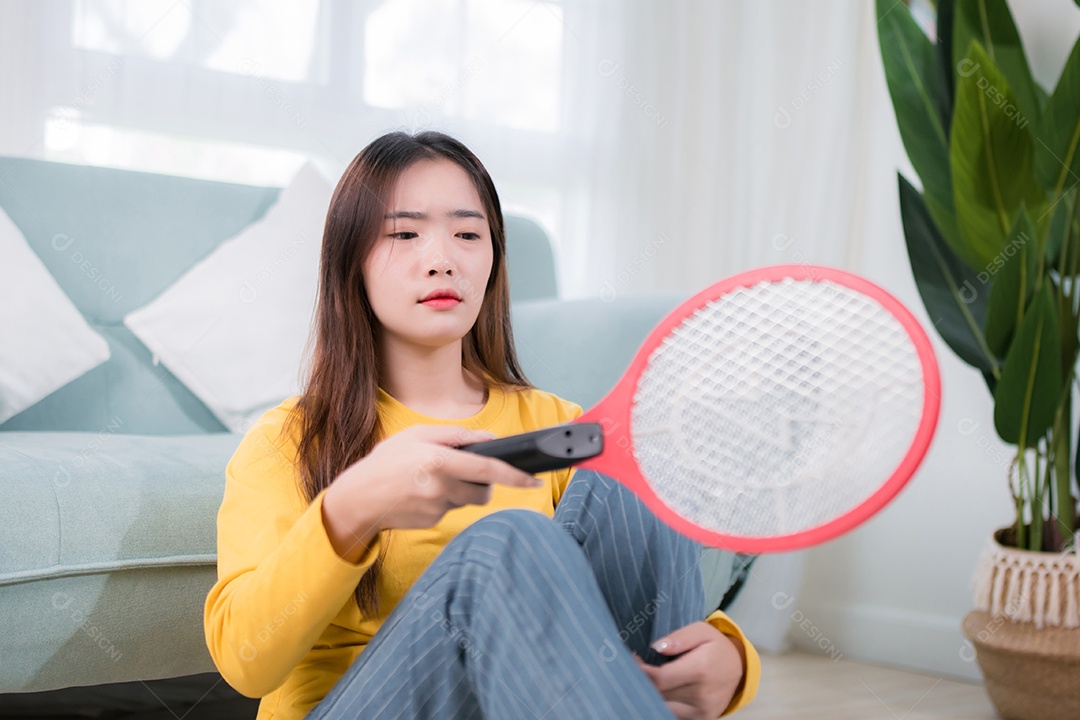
(777,408)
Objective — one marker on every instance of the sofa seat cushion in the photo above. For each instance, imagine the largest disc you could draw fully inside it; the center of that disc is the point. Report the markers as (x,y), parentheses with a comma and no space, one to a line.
(107,551)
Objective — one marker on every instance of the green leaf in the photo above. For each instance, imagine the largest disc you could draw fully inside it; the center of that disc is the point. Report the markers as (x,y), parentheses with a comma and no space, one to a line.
(1028,394)
(1042,95)
(1057,146)
(1014,270)
(990,156)
(1070,343)
(1076,461)
(1056,236)
(1070,255)
(954,297)
(991,24)
(946,12)
(921,101)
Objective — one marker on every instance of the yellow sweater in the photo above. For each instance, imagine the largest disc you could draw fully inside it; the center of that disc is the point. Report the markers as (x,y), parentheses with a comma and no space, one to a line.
(281,622)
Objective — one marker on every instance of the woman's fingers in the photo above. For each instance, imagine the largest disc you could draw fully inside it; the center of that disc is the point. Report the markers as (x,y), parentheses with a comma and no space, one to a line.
(468,493)
(464,465)
(700,682)
(475,468)
(467,466)
(450,476)
(682,695)
(683,711)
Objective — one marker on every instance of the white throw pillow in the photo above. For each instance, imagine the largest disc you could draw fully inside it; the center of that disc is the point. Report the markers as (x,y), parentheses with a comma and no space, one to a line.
(45,342)
(233,328)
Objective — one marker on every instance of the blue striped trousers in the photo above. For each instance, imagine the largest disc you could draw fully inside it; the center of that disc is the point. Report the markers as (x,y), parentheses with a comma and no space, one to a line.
(522,616)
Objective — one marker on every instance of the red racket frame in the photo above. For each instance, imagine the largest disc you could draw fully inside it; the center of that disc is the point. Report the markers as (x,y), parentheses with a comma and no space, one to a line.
(613,414)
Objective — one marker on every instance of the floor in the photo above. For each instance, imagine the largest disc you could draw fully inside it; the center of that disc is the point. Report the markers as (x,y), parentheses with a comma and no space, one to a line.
(811,687)
(194,697)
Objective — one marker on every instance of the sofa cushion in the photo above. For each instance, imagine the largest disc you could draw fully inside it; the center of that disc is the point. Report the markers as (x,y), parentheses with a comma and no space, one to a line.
(107,555)
(233,327)
(47,343)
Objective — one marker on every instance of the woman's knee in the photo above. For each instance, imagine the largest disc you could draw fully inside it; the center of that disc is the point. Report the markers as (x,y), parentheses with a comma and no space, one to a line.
(496,545)
(589,483)
(512,523)
(523,534)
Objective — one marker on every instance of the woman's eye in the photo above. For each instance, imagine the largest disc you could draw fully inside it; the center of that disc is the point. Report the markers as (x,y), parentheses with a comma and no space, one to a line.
(406,235)
(469,236)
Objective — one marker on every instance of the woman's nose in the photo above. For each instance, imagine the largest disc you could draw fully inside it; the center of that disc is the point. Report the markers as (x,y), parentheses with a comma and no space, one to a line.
(437,258)
(448,269)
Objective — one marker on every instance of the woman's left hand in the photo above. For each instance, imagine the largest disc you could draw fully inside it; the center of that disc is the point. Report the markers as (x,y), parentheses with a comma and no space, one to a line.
(700,684)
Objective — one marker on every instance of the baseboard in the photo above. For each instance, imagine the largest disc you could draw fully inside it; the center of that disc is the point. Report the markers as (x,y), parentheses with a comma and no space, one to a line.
(931,644)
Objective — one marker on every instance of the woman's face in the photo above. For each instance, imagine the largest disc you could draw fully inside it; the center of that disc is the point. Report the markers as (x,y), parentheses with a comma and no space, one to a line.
(435,239)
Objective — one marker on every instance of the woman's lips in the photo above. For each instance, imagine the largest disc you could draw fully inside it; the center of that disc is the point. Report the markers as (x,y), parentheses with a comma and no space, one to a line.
(442,303)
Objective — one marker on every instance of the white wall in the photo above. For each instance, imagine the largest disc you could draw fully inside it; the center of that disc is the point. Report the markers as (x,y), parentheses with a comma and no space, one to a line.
(896,590)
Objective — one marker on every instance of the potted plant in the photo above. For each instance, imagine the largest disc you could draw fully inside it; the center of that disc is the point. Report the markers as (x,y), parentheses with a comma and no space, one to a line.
(993,238)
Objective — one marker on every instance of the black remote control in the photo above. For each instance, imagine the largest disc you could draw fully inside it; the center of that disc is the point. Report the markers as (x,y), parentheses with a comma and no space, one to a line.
(549,449)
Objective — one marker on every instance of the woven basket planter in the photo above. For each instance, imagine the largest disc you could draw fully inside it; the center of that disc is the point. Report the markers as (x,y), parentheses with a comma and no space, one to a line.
(1026,632)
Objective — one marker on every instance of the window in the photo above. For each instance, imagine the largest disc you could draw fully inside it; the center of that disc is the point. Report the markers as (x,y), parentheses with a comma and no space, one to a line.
(225,36)
(239,90)
(502,63)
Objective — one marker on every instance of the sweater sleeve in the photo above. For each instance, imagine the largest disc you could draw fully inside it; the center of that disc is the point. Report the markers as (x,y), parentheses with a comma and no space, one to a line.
(280,581)
(751,661)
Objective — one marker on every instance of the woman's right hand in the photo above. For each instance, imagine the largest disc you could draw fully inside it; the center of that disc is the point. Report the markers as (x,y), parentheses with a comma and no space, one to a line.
(410,480)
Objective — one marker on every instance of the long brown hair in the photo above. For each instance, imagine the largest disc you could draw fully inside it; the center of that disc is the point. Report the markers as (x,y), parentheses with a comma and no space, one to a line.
(337,407)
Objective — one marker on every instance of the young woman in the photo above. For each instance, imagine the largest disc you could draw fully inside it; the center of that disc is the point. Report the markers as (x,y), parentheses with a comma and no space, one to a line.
(369,569)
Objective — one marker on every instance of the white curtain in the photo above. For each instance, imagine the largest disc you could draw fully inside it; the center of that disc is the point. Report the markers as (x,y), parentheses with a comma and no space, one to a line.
(663,145)
(769,118)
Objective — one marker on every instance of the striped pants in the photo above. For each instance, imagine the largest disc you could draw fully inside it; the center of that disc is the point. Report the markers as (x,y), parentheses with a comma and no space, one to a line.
(525,616)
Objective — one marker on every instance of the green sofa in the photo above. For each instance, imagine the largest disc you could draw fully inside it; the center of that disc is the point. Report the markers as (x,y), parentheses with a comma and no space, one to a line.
(111,484)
